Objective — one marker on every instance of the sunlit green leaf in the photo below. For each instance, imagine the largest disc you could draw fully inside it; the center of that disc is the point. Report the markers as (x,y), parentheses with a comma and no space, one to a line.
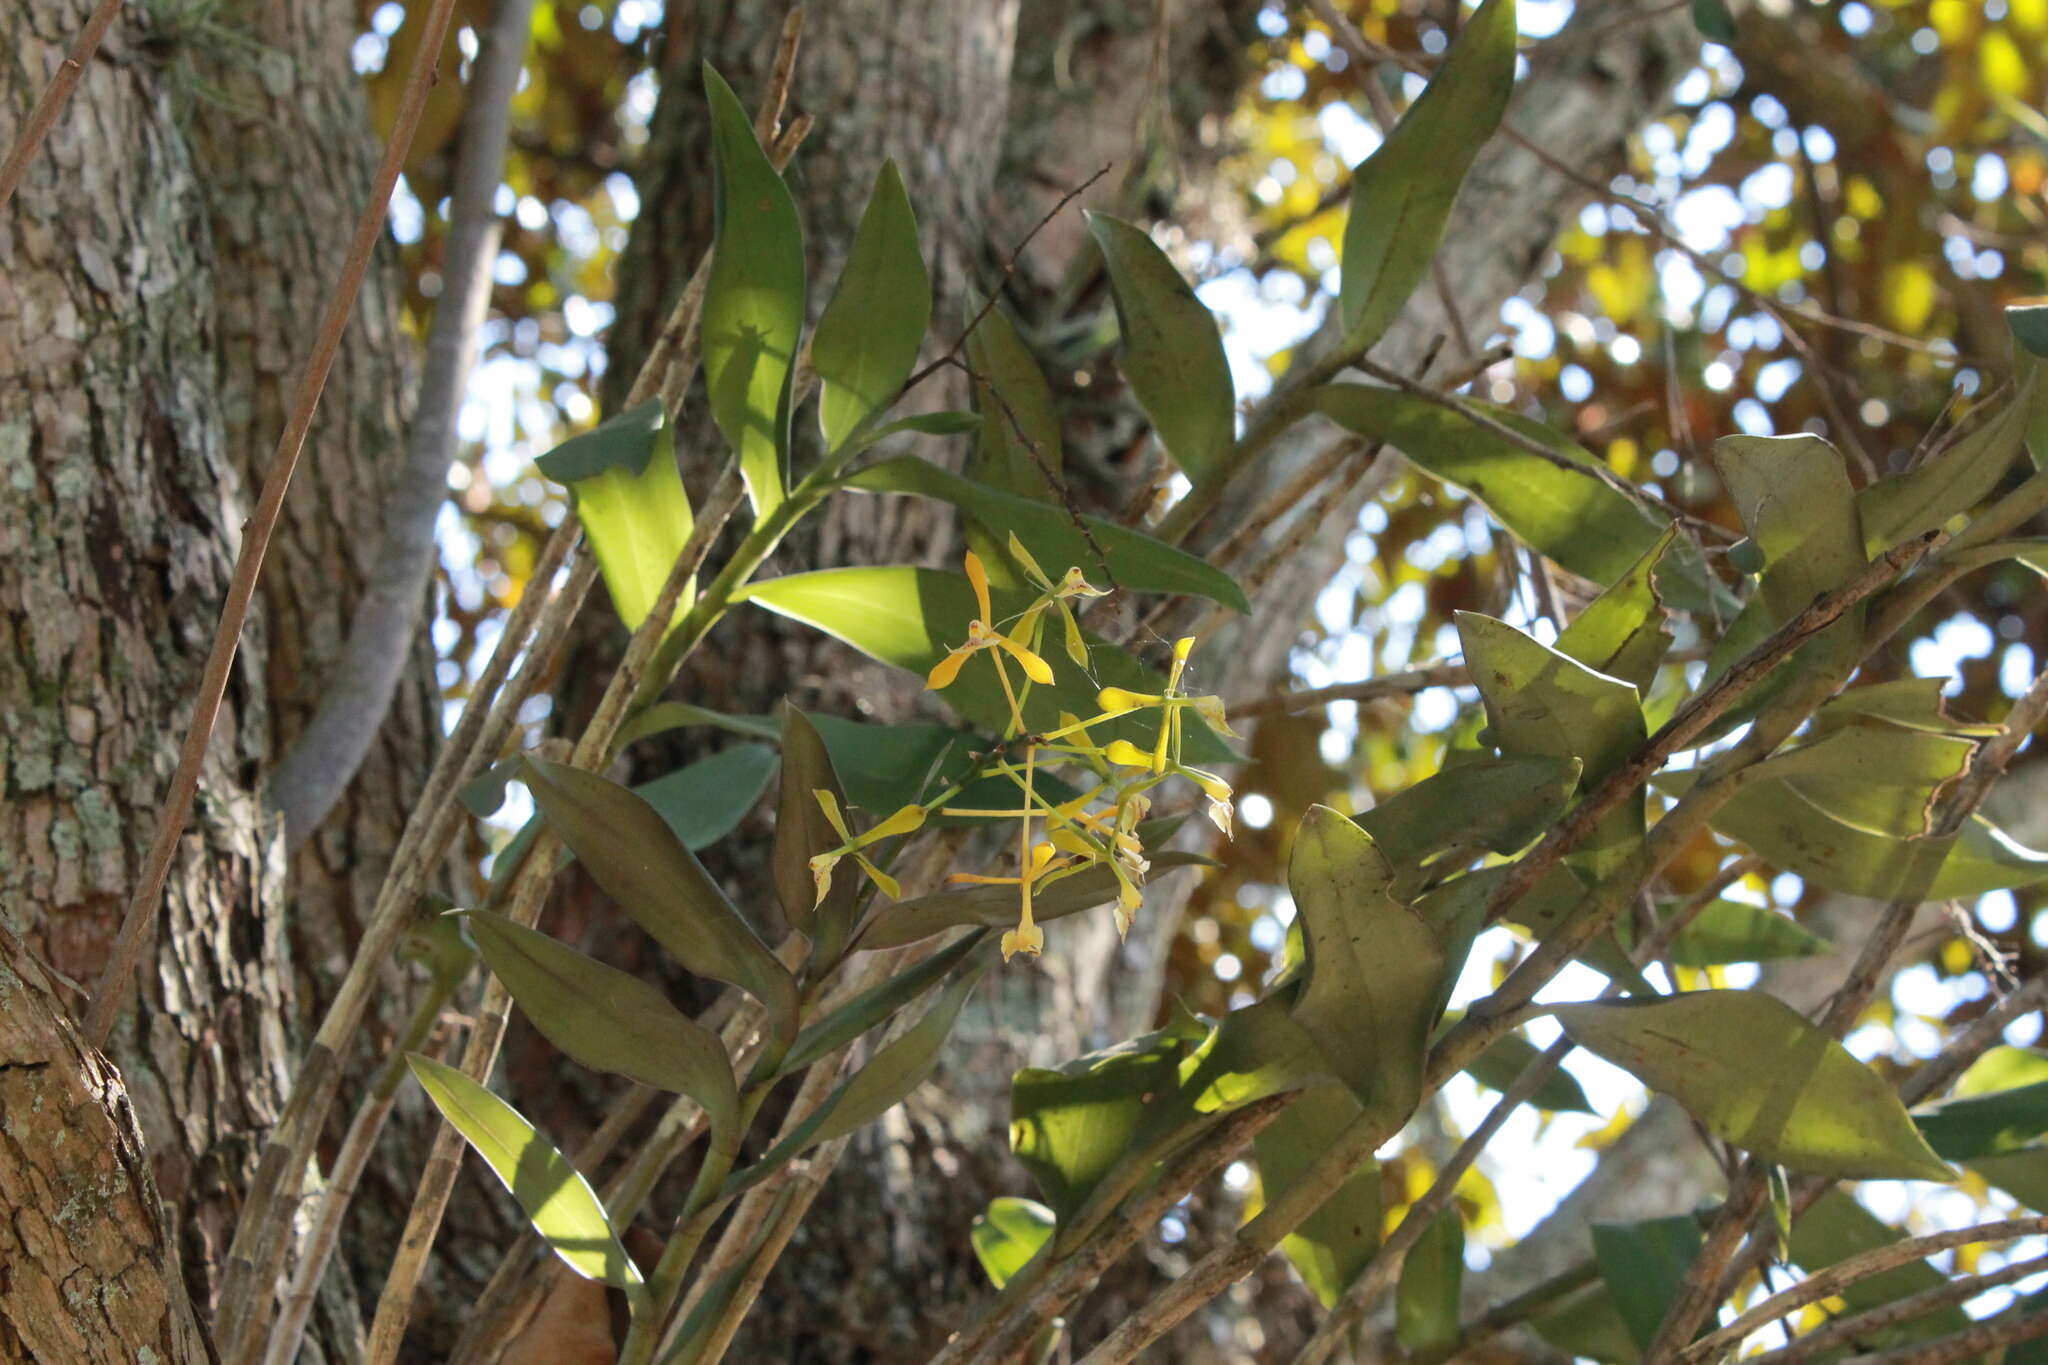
(1579,521)
(1916,703)
(1133,559)
(1922,498)
(1644,1266)
(1880,779)
(754,302)
(1426,1299)
(632,854)
(1621,632)
(1019,451)
(1009,1235)
(1984,1125)
(1374,965)
(1331,1246)
(605,1018)
(1250,1054)
(1815,1108)
(1070,1125)
(630,499)
(1508,1056)
(1735,931)
(1172,357)
(868,338)
(1494,804)
(565,1211)
(1401,195)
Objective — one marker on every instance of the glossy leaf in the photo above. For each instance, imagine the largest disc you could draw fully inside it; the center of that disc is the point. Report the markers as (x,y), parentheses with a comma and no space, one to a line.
(1009,1235)
(910,617)
(637,860)
(1577,520)
(564,1209)
(1815,1109)
(1374,966)
(1508,1056)
(1020,431)
(802,832)
(1426,1299)
(1735,931)
(703,801)
(1544,703)
(630,499)
(754,302)
(606,1019)
(995,907)
(1644,1266)
(1496,804)
(875,1006)
(1783,826)
(1401,195)
(1331,1246)
(1134,559)
(1249,1054)
(867,339)
(897,1068)
(1070,1125)
(1621,632)
(1173,357)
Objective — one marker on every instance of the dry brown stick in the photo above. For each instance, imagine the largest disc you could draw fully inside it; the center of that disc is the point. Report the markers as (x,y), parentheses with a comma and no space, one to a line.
(1855,1269)
(118,978)
(63,81)
(1370,689)
(1968,1344)
(1857,1325)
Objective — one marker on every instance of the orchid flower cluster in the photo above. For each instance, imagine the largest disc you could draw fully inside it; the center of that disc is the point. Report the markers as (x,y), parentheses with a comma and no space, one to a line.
(1055,838)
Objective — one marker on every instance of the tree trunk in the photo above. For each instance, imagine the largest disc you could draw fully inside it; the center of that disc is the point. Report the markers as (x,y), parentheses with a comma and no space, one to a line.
(157,270)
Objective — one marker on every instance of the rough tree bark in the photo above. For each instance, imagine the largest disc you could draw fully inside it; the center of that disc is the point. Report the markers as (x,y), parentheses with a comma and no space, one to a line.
(156,269)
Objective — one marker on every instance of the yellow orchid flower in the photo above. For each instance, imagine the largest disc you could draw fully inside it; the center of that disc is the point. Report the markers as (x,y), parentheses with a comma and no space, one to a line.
(982,634)
(1071,585)
(902,822)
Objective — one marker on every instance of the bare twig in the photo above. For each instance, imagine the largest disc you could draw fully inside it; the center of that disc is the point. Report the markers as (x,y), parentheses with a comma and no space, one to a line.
(119,976)
(359,686)
(1859,1326)
(63,81)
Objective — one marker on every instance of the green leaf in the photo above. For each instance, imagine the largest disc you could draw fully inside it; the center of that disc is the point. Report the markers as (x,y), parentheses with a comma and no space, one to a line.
(1644,1265)
(1777,822)
(1577,520)
(910,617)
(565,1211)
(1250,1054)
(637,860)
(1020,431)
(1815,1108)
(875,1006)
(754,302)
(1588,1324)
(2002,1068)
(1712,19)
(1897,508)
(630,498)
(1069,1126)
(1009,1235)
(1621,632)
(2029,324)
(1401,195)
(606,1019)
(664,716)
(897,1068)
(1916,703)
(1495,804)
(1880,779)
(995,907)
(2030,553)
(1134,559)
(1544,703)
(867,340)
(945,423)
(1509,1055)
(1173,357)
(703,801)
(1426,1299)
(1835,1228)
(802,832)
(1331,1246)
(1735,931)
(1986,1125)
(1374,966)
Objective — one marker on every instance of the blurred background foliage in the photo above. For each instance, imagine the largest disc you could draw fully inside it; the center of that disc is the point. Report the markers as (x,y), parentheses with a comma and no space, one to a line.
(1819,236)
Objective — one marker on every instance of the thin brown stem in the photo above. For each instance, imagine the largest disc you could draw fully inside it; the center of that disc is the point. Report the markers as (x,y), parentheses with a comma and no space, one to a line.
(63,81)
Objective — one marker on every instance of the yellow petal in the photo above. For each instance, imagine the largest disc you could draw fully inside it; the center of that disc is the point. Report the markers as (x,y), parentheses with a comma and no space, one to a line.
(978,576)
(1126,754)
(902,822)
(1035,668)
(1077,648)
(1210,709)
(1219,814)
(890,886)
(821,876)
(1025,938)
(1029,565)
(1074,585)
(945,670)
(1115,701)
(829,803)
